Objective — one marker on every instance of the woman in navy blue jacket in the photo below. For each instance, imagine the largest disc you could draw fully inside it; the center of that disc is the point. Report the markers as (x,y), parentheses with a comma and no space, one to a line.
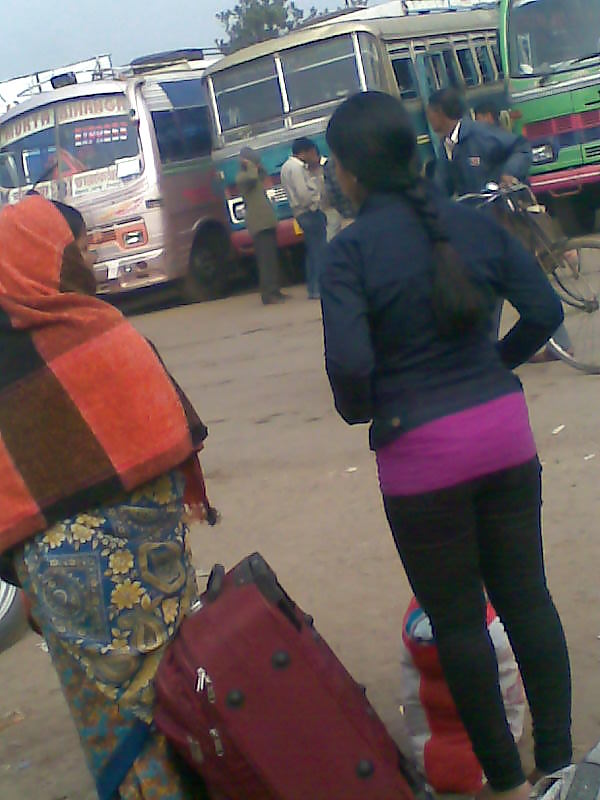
(407,294)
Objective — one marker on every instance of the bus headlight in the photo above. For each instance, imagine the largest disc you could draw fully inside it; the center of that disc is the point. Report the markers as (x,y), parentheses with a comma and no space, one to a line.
(542,153)
(133,234)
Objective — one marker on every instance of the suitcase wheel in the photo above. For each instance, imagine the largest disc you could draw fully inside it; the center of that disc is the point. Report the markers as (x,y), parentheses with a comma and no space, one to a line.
(281,659)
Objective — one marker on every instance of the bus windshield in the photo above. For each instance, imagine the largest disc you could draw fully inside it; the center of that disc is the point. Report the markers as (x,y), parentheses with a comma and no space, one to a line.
(258,94)
(73,137)
(320,72)
(548,36)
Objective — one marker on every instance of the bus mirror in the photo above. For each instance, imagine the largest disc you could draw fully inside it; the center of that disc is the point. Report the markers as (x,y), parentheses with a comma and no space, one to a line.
(9,174)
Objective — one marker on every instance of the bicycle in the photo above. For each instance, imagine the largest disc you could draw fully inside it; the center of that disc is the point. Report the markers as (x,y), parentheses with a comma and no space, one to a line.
(571,264)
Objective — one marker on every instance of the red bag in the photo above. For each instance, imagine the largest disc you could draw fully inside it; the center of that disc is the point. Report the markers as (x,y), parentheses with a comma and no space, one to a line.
(255,700)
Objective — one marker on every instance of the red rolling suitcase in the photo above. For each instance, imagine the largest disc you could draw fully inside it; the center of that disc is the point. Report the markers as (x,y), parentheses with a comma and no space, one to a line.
(258,704)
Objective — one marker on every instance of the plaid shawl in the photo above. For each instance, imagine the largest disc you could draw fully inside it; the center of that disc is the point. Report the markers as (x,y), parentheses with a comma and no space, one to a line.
(86,409)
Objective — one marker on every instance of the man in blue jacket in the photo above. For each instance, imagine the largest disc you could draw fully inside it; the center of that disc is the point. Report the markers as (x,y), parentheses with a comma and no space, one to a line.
(473,153)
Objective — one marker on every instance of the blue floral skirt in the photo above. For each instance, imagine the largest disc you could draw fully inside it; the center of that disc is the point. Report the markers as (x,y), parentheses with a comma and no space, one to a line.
(109,589)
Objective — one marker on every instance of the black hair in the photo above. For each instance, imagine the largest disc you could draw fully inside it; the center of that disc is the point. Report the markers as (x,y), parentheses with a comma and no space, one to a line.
(72,217)
(302,145)
(449,101)
(487,107)
(372,137)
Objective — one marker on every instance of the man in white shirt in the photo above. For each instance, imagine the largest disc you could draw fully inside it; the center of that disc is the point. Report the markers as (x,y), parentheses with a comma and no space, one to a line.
(301,177)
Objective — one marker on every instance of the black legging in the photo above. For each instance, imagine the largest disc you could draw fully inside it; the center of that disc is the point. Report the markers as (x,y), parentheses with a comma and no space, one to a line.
(453,542)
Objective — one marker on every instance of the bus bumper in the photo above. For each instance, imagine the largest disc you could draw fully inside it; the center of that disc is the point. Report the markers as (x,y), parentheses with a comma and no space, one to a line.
(567,181)
(286,237)
(132,272)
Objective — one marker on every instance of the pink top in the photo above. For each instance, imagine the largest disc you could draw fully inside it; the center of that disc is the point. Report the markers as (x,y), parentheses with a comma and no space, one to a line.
(458,448)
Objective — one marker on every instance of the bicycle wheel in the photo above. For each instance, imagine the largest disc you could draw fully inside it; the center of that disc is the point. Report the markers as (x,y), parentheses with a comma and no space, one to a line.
(576,276)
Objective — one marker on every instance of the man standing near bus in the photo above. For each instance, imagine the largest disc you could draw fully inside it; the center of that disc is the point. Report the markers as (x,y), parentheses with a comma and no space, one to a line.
(261,223)
(473,153)
(301,177)
(477,153)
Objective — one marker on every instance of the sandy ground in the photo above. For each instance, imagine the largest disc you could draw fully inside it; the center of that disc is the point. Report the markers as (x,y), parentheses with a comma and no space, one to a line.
(295,483)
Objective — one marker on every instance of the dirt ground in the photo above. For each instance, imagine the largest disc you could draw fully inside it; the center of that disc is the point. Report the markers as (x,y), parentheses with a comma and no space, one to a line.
(295,483)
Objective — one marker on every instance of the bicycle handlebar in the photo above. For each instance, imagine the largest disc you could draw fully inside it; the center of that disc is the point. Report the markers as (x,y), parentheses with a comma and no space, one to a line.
(494,192)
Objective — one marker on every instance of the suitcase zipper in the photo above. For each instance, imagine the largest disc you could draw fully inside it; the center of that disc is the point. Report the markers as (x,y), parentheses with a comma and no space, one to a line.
(204,683)
(214,735)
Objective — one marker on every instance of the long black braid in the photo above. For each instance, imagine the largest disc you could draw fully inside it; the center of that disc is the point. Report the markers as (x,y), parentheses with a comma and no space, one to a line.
(372,136)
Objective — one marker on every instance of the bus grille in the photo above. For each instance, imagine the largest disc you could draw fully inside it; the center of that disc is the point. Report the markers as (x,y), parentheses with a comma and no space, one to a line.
(277,194)
(592,151)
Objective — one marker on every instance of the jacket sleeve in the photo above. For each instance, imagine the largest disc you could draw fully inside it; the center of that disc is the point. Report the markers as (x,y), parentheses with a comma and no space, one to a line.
(515,154)
(349,355)
(441,175)
(522,282)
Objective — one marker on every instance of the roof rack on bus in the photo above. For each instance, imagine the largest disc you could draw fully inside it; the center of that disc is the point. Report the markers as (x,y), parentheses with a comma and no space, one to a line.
(171,58)
(17,89)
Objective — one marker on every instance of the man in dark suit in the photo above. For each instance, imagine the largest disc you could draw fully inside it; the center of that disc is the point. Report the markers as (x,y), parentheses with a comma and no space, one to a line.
(473,153)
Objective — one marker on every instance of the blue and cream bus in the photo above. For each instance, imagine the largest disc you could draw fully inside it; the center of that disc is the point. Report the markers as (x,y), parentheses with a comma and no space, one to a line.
(268,94)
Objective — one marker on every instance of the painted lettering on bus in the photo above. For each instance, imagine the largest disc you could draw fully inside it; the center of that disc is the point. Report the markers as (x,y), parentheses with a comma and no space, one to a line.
(91,107)
(25,125)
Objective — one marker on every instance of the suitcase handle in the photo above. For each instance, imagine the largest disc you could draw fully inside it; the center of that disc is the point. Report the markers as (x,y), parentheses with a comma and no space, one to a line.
(254,569)
(214,585)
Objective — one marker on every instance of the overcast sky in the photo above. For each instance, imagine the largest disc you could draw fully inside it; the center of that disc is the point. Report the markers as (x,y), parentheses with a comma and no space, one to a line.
(41,34)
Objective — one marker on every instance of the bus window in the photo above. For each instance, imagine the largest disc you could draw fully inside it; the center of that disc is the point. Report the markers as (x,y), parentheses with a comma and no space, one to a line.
(96,143)
(185,93)
(248,94)
(182,134)
(497,59)
(34,155)
(404,70)
(467,64)
(428,73)
(485,64)
(320,72)
(372,62)
(452,68)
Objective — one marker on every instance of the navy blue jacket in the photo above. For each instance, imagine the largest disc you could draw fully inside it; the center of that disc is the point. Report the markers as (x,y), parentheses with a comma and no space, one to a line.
(386,361)
(482,154)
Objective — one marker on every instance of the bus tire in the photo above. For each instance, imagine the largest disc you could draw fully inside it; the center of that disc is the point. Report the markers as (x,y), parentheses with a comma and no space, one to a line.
(206,278)
(13,615)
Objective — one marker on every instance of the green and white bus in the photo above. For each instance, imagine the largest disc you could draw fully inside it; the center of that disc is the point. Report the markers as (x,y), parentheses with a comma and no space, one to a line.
(551,55)
(268,94)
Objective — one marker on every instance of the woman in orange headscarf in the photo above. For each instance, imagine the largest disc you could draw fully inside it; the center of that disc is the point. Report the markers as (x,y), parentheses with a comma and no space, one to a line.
(97,447)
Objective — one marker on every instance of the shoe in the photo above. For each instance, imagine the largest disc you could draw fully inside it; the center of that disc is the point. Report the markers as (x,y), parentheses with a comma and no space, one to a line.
(314,296)
(274,299)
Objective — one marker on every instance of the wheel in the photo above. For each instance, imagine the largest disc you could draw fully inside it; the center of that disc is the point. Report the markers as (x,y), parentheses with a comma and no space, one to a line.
(207,277)
(576,277)
(13,617)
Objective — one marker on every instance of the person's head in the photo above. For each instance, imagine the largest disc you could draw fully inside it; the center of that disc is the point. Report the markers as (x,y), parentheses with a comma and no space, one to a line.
(487,111)
(374,146)
(306,150)
(249,156)
(39,254)
(78,260)
(445,108)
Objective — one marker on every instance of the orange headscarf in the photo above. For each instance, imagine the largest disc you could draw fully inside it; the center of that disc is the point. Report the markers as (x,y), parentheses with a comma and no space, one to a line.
(86,409)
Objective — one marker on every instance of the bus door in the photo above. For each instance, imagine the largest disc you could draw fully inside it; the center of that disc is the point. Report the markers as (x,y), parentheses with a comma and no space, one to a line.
(191,189)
